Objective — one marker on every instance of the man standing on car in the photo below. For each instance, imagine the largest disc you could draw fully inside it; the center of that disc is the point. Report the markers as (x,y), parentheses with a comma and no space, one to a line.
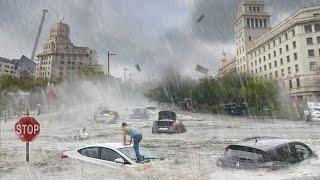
(135,136)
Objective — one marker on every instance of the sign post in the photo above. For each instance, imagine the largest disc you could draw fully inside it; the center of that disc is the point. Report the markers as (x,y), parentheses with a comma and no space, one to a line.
(27,129)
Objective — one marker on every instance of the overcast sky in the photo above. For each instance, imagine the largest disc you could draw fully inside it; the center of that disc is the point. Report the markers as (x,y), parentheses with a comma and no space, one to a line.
(156,34)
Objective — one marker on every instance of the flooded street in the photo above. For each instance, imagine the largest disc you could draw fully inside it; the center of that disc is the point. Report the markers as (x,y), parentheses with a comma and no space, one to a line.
(191,155)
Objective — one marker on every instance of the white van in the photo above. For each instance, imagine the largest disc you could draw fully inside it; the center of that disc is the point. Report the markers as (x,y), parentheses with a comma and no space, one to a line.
(312,112)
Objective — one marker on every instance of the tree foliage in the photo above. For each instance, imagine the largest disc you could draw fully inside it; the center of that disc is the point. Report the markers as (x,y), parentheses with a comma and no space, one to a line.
(254,92)
(173,88)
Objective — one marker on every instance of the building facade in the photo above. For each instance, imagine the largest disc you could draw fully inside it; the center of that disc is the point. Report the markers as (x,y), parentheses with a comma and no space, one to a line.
(288,53)
(227,66)
(60,57)
(7,67)
(25,68)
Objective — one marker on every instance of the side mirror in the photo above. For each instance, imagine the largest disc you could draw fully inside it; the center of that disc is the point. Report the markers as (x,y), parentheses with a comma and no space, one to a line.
(119,160)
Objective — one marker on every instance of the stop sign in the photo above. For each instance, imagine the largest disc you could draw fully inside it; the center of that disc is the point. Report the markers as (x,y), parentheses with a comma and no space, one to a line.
(27,129)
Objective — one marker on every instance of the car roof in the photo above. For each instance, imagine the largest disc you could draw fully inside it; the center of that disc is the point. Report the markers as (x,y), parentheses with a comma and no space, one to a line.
(264,143)
(115,145)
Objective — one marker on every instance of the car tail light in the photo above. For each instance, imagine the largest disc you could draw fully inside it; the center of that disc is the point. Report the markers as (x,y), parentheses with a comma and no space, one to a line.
(63,156)
(219,162)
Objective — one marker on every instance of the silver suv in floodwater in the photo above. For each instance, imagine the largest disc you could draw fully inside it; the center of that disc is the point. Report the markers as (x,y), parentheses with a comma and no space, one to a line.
(265,153)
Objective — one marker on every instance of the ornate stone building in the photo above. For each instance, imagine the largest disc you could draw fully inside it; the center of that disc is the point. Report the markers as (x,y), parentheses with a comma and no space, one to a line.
(288,53)
(60,57)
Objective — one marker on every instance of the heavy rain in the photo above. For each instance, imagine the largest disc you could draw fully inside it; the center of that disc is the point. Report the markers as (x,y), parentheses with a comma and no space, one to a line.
(160,89)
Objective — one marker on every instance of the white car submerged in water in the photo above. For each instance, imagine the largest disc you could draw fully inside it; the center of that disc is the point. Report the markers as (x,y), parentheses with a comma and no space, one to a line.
(113,155)
(312,113)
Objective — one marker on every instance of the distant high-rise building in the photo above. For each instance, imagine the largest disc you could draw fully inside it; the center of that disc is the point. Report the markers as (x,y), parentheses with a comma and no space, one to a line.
(60,57)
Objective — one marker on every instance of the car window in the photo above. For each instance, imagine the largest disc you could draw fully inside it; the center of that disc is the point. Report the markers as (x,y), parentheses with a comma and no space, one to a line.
(302,152)
(109,155)
(92,152)
(245,153)
(283,154)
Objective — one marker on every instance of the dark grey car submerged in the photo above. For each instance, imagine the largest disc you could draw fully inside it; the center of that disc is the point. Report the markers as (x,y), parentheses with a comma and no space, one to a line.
(264,153)
(168,123)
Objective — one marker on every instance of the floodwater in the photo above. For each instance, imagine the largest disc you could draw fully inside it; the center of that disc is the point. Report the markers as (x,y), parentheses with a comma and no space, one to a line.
(191,155)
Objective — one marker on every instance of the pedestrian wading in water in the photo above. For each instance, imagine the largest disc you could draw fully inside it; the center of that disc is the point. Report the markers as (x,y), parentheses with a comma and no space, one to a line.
(135,136)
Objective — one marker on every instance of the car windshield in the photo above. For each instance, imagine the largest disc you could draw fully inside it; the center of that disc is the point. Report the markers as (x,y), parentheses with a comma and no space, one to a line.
(129,152)
(244,153)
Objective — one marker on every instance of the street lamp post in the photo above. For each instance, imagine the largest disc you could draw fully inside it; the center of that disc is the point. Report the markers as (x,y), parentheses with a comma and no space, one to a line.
(124,74)
(130,78)
(109,54)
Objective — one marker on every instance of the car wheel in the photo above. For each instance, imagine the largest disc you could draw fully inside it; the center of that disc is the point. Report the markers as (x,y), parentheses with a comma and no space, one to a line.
(155,128)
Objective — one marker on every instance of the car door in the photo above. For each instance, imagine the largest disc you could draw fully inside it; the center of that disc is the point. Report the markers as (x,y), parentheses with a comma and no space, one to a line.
(108,156)
(301,151)
(284,155)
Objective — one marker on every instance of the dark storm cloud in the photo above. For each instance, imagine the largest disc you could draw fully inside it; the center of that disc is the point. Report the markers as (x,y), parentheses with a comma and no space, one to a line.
(153,33)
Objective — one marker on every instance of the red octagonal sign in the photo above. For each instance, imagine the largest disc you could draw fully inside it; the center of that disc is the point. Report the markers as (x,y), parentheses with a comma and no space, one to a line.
(27,129)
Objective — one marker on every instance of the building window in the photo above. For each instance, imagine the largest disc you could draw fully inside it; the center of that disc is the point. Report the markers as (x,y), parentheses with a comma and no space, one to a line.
(289,70)
(260,69)
(311,53)
(317,27)
(248,22)
(309,41)
(264,57)
(275,63)
(274,54)
(318,39)
(281,61)
(308,28)
(279,40)
(265,67)
(293,32)
(255,62)
(265,22)
(249,38)
(296,67)
(312,66)
(270,65)
(280,50)
(282,72)
(269,46)
(274,43)
(260,21)
(294,44)
(269,56)
(259,60)
(276,73)
(290,84)
(295,56)
(288,59)
(61,62)
(287,47)
(298,82)
(286,36)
